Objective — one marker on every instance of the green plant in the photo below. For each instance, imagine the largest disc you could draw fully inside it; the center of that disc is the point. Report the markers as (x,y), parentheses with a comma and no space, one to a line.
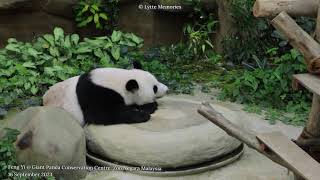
(270,88)
(251,37)
(7,152)
(199,31)
(28,69)
(103,13)
(165,63)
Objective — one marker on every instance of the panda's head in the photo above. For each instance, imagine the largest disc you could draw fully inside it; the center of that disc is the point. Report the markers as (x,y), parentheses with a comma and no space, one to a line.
(136,86)
(143,87)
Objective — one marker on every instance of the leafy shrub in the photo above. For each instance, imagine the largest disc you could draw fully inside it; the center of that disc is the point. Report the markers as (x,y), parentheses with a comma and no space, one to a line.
(166,64)
(7,152)
(102,13)
(199,32)
(270,87)
(28,69)
(252,37)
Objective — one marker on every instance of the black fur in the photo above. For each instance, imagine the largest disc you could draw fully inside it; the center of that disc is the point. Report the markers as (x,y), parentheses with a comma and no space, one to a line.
(137,65)
(132,85)
(149,108)
(101,105)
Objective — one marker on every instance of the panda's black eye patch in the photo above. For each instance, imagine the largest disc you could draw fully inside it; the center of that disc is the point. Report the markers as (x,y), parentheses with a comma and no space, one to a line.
(155,89)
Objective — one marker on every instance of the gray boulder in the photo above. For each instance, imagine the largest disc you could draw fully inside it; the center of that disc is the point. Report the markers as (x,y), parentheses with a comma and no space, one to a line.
(50,140)
(175,136)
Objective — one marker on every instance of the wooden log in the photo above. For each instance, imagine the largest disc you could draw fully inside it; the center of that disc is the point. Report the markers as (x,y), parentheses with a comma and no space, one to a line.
(272,145)
(266,8)
(313,124)
(239,133)
(311,133)
(300,40)
(317,31)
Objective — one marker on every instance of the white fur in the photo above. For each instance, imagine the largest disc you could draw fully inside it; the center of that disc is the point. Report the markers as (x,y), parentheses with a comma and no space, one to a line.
(63,94)
(116,79)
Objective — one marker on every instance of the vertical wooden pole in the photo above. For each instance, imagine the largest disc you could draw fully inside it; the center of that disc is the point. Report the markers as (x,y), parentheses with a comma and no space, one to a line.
(312,129)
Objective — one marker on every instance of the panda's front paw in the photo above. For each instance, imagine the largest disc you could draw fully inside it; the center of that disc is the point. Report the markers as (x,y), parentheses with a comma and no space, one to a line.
(140,117)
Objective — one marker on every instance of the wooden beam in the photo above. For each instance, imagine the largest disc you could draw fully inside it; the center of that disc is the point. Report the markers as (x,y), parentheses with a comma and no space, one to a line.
(309,138)
(271,8)
(300,40)
(317,31)
(239,133)
(289,152)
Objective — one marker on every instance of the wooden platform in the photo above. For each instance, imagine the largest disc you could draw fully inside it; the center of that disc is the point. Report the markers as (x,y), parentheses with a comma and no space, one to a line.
(309,81)
(290,153)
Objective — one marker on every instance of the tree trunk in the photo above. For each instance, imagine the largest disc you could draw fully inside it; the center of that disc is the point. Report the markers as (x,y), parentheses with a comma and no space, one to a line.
(226,24)
(265,8)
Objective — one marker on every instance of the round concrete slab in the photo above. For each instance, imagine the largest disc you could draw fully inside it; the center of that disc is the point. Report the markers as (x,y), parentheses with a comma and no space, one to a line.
(176,136)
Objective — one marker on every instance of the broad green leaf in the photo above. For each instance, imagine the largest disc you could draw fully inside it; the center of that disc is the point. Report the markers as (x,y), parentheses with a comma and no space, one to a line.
(13,47)
(104,16)
(29,65)
(96,19)
(49,38)
(83,49)
(67,41)
(98,53)
(116,36)
(127,43)
(54,51)
(58,33)
(85,22)
(115,51)
(34,90)
(84,9)
(95,7)
(33,52)
(27,86)
(136,39)
(75,39)
(12,40)
(108,45)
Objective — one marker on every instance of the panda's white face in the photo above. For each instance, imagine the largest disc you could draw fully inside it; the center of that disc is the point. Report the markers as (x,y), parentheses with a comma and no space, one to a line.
(149,88)
(135,86)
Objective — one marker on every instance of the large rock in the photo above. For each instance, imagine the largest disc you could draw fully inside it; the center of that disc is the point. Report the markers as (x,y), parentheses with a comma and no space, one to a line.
(176,136)
(50,137)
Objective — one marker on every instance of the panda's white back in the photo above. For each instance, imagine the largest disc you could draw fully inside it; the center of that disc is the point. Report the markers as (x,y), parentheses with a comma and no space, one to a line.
(63,95)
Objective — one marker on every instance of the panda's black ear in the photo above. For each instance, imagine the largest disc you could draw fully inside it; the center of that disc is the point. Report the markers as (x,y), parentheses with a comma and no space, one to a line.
(137,65)
(132,85)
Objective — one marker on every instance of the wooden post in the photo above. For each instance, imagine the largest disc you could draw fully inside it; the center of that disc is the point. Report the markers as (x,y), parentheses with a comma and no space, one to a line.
(313,125)
(300,40)
(271,8)
(317,31)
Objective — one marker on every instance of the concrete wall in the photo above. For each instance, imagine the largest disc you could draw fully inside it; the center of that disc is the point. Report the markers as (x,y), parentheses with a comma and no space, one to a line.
(26,19)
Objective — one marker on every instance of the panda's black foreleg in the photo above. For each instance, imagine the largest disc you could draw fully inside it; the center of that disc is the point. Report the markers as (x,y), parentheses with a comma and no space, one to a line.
(131,115)
(148,108)
(123,115)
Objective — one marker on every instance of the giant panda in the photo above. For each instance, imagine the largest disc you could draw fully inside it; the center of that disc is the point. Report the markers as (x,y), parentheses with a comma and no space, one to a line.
(107,96)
